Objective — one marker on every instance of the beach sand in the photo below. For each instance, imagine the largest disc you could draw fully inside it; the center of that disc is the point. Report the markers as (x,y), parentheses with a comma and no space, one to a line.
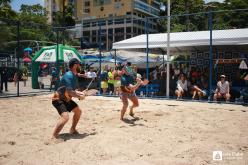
(166,133)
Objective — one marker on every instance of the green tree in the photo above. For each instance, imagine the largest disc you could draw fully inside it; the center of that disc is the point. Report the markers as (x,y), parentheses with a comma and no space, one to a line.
(65,18)
(5,2)
(180,21)
(236,19)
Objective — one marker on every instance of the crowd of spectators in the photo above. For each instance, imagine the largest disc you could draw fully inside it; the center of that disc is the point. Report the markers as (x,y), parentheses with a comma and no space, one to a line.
(185,82)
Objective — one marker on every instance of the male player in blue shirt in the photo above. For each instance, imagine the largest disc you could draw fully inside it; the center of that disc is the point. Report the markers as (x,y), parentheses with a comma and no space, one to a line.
(62,99)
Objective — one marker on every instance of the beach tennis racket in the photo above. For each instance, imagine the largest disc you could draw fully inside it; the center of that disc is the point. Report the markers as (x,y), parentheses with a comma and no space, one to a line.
(89,92)
(85,93)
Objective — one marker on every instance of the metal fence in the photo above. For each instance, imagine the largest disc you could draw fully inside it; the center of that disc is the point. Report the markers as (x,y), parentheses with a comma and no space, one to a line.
(191,52)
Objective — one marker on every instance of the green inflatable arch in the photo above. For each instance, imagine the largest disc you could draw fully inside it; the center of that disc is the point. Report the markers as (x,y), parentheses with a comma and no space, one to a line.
(52,54)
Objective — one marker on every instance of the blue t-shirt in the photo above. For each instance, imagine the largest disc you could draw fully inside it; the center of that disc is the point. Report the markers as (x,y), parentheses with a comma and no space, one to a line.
(126,80)
(68,82)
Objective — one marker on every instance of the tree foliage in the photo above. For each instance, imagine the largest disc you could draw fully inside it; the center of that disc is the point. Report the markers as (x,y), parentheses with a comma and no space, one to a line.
(180,21)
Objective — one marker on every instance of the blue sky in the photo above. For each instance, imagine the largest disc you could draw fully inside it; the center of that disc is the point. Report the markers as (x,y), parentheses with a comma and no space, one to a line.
(16,4)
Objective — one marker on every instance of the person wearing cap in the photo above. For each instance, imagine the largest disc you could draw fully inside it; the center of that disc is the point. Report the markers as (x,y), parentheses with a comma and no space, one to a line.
(62,99)
(223,89)
(129,84)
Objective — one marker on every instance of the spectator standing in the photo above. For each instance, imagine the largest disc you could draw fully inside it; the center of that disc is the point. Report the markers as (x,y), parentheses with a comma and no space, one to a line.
(40,78)
(104,80)
(4,79)
(54,78)
(25,76)
(155,73)
(111,81)
(91,73)
(91,76)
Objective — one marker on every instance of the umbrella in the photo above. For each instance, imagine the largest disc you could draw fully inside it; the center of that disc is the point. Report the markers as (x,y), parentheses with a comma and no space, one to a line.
(28,50)
(26,59)
(49,54)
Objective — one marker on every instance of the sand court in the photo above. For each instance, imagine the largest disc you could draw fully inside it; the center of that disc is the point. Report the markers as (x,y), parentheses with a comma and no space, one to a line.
(163,132)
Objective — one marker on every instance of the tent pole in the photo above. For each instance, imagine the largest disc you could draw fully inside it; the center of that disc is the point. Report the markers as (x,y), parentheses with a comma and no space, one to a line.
(163,60)
(168,51)
(18,56)
(210,49)
(147,52)
(57,57)
(100,52)
(115,57)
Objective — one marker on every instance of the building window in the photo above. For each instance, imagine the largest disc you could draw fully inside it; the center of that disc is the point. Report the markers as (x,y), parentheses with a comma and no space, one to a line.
(86,35)
(110,31)
(93,24)
(128,13)
(101,2)
(128,20)
(128,36)
(119,21)
(87,10)
(134,30)
(110,22)
(128,29)
(93,39)
(102,23)
(87,3)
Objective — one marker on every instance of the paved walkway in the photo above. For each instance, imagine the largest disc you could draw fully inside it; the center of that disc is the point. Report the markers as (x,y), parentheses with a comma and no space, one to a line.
(12,90)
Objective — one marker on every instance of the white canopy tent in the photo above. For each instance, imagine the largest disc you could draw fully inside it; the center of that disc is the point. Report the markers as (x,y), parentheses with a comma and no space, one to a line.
(184,39)
(139,58)
(232,37)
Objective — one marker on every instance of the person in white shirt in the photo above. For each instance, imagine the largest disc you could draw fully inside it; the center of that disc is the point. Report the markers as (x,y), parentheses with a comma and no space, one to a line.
(91,73)
(182,86)
(155,73)
(223,89)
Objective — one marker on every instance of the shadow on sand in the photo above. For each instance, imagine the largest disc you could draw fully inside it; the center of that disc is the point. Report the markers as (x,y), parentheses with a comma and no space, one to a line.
(68,136)
(132,123)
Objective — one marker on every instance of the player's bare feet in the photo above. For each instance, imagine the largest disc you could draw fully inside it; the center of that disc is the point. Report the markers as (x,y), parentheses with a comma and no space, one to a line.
(73,131)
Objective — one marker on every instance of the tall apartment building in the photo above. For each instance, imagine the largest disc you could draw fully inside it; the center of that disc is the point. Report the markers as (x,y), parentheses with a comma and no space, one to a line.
(119,19)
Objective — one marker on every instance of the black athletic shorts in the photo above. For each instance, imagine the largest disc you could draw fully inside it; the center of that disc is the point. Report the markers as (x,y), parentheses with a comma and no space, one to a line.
(63,106)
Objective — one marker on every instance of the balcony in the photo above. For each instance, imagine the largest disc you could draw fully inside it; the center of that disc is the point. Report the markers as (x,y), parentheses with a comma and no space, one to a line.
(146,8)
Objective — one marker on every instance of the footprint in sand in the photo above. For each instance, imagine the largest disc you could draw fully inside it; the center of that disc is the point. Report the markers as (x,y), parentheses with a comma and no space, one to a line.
(12,143)
(158,114)
(244,148)
(5,155)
